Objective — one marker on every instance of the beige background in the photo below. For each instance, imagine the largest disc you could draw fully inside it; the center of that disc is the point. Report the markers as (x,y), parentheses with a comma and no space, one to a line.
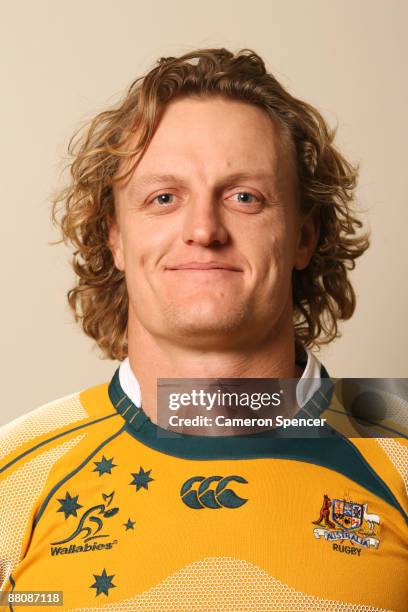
(63,61)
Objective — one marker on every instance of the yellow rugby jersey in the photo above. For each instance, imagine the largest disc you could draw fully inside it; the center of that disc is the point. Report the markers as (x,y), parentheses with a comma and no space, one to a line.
(98,502)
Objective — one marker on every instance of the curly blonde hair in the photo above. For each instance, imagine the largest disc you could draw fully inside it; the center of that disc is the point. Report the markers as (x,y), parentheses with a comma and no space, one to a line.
(322,293)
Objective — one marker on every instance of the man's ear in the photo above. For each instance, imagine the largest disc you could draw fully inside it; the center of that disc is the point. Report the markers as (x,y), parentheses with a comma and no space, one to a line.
(115,244)
(307,241)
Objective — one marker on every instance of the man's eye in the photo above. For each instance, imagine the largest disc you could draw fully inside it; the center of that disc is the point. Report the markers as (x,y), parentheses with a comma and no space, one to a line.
(164,198)
(244,197)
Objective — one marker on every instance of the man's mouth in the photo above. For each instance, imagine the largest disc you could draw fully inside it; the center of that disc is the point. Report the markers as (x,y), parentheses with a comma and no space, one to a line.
(204,265)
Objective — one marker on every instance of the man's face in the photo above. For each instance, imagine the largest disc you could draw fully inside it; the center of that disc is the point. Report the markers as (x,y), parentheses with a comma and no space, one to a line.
(207,229)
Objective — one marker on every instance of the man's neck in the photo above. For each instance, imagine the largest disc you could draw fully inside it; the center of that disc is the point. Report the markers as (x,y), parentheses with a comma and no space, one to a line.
(150,359)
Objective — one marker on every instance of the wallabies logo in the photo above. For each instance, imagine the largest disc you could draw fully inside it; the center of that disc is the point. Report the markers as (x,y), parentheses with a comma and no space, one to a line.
(91,522)
(206,497)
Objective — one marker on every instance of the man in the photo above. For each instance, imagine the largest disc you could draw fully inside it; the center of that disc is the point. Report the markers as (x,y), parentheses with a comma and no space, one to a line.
(213,229)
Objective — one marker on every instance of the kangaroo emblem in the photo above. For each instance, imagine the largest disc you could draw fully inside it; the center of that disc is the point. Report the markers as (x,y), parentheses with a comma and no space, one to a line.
(325,513)
(91,523)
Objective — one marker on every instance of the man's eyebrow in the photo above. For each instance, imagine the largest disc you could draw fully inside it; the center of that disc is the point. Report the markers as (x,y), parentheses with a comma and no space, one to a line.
(150,179)
(242,176)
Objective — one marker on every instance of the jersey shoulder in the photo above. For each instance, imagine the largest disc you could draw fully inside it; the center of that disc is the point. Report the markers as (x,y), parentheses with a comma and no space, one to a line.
(360,425)
(58,420)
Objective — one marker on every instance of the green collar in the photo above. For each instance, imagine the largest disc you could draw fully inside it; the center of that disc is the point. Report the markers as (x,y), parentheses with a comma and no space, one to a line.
(210,447)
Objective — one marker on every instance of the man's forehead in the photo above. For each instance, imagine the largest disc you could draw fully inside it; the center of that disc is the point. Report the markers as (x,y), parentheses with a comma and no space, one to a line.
(177,153)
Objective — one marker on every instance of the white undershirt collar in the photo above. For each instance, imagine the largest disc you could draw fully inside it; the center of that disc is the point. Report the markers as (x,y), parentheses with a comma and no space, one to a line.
(307,386)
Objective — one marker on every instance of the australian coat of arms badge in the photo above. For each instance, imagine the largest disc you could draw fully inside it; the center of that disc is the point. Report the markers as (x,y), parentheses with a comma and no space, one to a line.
(345,520)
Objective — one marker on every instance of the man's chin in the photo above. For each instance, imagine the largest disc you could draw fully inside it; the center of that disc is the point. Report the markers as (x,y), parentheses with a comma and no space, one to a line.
(205,326)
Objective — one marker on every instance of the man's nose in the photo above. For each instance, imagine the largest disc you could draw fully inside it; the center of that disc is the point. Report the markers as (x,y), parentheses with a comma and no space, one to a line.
(204,223)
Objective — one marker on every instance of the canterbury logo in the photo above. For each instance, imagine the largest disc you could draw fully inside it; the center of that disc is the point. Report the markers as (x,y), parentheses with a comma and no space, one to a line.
(204,495)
